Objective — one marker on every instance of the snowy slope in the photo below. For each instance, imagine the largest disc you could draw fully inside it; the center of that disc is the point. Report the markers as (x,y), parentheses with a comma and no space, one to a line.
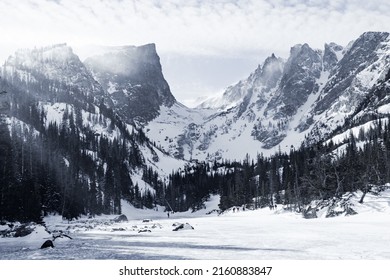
(101,125)
(237,123)
(172,125)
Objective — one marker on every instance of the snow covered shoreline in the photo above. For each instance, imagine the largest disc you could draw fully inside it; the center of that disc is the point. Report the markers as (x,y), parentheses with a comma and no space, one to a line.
(259,234)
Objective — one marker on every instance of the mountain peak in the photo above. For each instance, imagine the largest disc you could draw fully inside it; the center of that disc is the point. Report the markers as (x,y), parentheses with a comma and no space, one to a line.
(270,59)
(150,46)
(271,71)
(368,42)
(362,53)
(57,52)
(369,35)
(134,79)
(55,62)
(298,81)
(332,55)
(147,48)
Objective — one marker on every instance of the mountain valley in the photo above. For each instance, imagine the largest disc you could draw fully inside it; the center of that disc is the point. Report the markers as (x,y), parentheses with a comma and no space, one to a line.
(79,137)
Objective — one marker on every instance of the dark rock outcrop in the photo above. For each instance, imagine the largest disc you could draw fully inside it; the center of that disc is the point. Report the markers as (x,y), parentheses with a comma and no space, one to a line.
(144,230)
(310,213)
(47,244)
(121,218)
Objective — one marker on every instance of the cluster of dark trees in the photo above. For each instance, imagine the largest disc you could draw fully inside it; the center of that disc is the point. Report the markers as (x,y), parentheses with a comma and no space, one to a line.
(293,179)
(67,167)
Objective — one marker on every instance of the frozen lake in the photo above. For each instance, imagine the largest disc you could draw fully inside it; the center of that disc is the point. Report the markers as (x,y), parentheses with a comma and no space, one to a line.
(249,235)
(260,234)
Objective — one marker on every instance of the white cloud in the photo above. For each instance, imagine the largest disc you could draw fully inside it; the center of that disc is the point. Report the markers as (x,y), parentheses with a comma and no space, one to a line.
(191,26)
(223,27)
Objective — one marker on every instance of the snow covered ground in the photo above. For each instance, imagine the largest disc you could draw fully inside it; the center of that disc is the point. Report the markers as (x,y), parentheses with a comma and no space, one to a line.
(259,234)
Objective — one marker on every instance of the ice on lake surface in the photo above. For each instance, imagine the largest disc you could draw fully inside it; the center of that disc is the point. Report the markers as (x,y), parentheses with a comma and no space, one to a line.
(258,234)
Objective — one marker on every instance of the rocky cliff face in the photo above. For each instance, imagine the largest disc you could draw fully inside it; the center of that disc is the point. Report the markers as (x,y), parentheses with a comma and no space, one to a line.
(133,78)
(332,55)
(298,81)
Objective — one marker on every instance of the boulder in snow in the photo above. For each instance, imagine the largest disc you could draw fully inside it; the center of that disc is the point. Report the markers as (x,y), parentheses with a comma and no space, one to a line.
(23,230)
(350,211)
(47,244)
(118,229)
(310,213)
(121,218)
(185,226)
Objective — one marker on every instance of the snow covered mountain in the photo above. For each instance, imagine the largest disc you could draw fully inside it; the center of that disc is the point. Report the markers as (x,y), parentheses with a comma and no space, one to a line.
(56,78)
(282,104)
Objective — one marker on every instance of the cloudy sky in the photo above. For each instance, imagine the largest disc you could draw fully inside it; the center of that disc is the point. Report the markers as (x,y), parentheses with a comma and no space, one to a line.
(204,45)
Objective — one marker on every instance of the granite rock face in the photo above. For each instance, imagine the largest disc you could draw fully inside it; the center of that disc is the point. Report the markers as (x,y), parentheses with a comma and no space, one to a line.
(298,81)
(132,77)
